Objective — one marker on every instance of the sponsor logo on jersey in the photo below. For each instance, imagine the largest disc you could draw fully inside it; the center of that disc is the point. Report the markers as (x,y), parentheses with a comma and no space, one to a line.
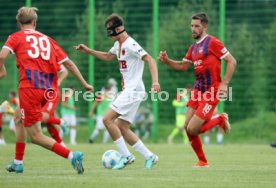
(197,63)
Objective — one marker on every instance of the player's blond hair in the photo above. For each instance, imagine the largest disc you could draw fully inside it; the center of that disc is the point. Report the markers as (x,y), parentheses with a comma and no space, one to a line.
(26,15)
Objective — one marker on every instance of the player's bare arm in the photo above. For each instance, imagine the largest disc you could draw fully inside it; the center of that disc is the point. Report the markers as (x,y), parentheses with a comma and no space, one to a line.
(3,55)
(154,73)
(177,65)
(106,56)
(230,68)
(93,108)
(3,72)
(75,71)
(62,75)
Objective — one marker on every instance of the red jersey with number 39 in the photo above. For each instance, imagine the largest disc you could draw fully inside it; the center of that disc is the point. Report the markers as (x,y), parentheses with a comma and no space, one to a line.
(38,58)
(206,55)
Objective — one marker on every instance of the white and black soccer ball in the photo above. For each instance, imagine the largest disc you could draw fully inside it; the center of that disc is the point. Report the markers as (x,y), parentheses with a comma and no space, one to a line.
(110,158)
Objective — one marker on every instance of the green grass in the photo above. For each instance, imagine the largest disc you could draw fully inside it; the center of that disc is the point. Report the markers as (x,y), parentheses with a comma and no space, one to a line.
(260,129)
(230,166)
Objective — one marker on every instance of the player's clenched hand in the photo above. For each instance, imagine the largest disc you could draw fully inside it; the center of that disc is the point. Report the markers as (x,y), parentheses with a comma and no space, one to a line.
(81,47)
(88,87)
(155,87)
(223,90)
(163,57)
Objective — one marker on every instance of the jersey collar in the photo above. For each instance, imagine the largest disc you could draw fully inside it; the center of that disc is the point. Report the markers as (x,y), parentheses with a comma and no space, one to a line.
(201,39)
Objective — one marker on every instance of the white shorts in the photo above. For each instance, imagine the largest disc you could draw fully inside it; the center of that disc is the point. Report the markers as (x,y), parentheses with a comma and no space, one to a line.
(127,104)
(12,124)
(99,123)
(70,119)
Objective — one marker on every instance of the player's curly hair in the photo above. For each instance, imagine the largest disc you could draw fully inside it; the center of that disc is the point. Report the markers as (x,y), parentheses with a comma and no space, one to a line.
(202,16)
(26,15)
(114,20)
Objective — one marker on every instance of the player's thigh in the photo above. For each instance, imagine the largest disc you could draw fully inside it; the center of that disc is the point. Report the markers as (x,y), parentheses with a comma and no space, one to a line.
(17,117)
(34,131)
(110,116)
(122,124)
(195,124)
(189,114)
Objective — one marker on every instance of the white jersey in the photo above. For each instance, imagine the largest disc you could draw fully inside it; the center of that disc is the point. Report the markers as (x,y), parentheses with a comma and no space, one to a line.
(129,54)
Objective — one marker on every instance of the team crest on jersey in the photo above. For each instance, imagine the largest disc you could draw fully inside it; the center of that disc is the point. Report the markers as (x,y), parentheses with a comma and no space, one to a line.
(123,51)
(200,50)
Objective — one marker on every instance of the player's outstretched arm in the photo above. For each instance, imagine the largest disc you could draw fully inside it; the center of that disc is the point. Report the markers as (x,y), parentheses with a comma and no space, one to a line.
(177,65)
(154,73)
(106,56)
(75,71)
(3,55)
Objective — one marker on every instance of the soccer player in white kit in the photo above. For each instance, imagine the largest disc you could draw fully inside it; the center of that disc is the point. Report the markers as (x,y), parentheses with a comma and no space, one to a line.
(131,57)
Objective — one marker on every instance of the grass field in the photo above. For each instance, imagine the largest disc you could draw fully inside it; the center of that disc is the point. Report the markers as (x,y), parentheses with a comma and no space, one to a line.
(230,166)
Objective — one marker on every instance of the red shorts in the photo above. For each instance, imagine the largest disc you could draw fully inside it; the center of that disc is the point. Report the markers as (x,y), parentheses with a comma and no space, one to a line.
(204,103)
(51,105)
(31,103)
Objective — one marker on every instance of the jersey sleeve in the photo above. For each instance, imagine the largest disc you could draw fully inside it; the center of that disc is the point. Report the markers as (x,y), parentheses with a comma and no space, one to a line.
(11,43)
(218,49)
(61,56)
(60,68)
(137,50)
(112,50)
(188,56)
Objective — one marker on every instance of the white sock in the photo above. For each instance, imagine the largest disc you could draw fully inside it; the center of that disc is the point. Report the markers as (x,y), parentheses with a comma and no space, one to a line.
(142,149)
(73,134)
(70,156)
(219,138)
(17,162)
(105,136)
(120,143)
(94,134)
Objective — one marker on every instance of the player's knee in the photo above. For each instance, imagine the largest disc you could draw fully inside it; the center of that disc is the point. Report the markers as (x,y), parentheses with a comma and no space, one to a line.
(192,131)
(106,121)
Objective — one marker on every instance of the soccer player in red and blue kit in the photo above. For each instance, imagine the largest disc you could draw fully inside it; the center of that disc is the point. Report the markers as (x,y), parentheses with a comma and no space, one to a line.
(206,55)
(37,57)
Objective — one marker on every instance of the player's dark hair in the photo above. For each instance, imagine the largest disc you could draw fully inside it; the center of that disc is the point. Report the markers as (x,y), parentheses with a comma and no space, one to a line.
(114,20)
(13,93)
(202,16)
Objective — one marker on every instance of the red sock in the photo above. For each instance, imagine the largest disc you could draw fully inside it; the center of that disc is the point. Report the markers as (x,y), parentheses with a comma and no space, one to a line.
(197,146)
(60,150)
(19,150)
(210,124)
(53,120)
(53,132)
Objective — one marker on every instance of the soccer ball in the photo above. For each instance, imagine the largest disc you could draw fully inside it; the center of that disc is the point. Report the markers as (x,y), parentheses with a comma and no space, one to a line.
(110,158)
